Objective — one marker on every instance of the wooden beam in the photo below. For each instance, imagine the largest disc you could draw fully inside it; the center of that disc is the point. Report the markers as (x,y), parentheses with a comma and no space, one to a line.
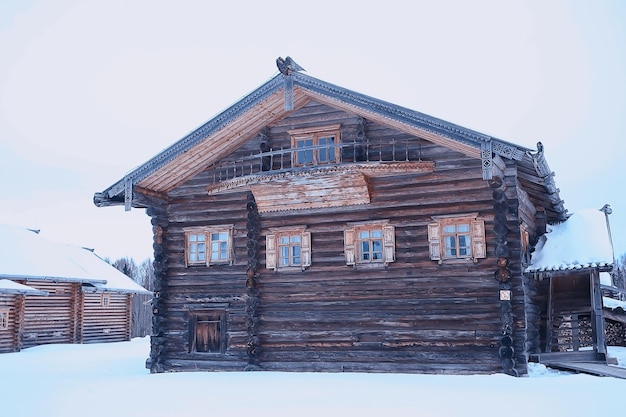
(597,320)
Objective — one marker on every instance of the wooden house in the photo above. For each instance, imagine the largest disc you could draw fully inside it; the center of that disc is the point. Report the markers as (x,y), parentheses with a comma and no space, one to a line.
(59,293)
(309,227)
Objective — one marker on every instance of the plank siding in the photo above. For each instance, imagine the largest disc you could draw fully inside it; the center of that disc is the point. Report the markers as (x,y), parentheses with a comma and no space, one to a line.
(9,337)
(414,315)
(52,318)
(110,323)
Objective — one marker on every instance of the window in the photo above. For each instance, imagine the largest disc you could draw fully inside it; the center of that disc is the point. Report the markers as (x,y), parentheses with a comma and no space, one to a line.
(457,237)
(4,318)
(219,246)
(208,245)
(196,248)
(285,248)
(316,146)
(370,243)
(105,300)
(207,331)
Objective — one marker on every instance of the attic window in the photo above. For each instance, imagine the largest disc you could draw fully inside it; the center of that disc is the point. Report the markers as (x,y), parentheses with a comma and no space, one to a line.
(208,245)
(316,146)
(105,301)
(457,237)
(4,318)
(286,248)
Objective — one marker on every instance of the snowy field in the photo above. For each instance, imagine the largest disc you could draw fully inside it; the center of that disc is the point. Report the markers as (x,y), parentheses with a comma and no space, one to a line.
(110,380)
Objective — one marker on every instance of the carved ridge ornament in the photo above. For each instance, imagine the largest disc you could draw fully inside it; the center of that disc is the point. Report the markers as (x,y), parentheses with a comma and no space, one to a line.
(373,169)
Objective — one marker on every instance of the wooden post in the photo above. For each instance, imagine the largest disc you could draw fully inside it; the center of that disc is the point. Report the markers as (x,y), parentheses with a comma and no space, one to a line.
(129,316)
(549,314)
(19,321)
(77,311)
(597,319)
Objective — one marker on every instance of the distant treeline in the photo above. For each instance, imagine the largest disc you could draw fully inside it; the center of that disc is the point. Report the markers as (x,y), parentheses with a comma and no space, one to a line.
(143,274)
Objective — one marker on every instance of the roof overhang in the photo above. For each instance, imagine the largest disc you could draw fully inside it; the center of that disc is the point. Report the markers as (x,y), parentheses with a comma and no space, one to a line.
(10,287)
(47,278)
(244,120)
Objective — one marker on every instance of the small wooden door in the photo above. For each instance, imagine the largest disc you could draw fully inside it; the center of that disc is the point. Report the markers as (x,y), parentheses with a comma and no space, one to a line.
(207,332)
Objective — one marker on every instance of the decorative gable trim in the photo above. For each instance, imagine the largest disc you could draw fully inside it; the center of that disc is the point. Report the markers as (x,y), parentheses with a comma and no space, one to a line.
(413,122)
(408,117)
(193,138)
(485,157)
(370,169)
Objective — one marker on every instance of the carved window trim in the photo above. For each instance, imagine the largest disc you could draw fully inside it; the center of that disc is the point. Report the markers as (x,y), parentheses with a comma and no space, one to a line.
(275,244)
(323,152)
(525,244)
(201,249)
(4,318)
(440,239)
(361,238)
(105,300)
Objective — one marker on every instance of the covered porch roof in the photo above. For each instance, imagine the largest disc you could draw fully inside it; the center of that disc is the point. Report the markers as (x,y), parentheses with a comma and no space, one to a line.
(583,241)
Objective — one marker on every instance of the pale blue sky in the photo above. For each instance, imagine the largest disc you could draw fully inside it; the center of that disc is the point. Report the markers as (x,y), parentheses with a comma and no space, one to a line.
(91,89)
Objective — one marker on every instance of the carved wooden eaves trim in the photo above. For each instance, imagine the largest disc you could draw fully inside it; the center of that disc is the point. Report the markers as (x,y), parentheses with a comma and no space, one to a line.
(375,169)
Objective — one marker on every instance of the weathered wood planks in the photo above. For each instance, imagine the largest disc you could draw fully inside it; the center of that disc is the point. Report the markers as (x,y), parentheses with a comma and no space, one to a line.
(412,316)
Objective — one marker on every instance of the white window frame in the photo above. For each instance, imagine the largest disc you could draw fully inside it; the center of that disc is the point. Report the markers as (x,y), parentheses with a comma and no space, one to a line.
(105,300)
(353,248)
(437,242)
(4,318)
(274,259)
(207,233)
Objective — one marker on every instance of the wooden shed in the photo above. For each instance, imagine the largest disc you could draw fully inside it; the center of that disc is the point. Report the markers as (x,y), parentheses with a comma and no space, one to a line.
(567,265)
(73,295)
(12,313)
(309,227)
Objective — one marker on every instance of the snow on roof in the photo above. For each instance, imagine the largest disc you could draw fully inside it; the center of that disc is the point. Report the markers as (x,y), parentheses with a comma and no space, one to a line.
(582,241)
(24,254)
(9,287)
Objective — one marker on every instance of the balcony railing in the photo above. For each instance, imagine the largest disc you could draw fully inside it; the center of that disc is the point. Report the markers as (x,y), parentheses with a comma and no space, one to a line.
(287,159)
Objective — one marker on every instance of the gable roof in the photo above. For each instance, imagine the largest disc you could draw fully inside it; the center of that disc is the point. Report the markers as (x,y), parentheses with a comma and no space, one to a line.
(267,104)
(25,255)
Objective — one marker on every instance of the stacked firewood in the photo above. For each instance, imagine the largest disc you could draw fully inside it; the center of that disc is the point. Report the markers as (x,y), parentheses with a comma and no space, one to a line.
(615,333)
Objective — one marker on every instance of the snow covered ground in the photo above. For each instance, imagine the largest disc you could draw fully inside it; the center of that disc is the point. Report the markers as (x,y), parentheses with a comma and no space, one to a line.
(110,380)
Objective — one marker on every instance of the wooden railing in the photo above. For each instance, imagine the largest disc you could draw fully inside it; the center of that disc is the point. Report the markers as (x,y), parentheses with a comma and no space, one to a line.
(613,292)
(283,159)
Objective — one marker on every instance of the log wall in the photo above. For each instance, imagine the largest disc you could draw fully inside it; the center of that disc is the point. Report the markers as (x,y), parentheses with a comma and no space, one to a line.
(10,337)
(414,315)
(110,323)
(54,318)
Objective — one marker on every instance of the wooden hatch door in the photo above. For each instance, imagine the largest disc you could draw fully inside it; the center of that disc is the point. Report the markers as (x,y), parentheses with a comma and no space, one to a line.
(207,332)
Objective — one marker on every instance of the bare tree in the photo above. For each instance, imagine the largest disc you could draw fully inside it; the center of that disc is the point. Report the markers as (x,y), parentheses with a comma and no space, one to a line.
(619,272)
(142,274)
